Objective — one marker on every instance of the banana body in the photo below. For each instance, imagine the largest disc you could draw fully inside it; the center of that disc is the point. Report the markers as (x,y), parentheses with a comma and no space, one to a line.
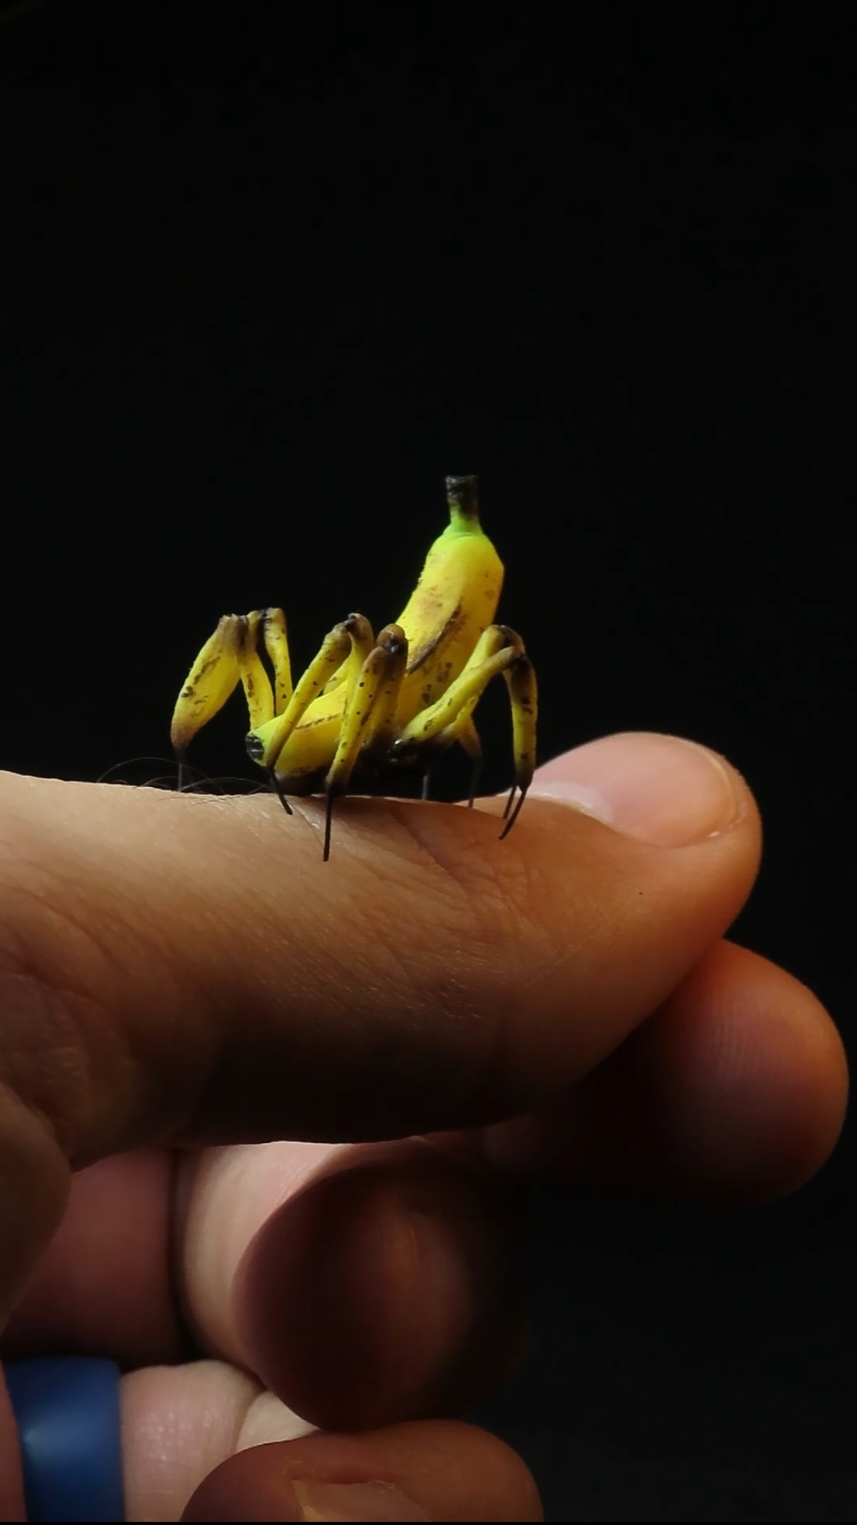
(452,605)
(454,601)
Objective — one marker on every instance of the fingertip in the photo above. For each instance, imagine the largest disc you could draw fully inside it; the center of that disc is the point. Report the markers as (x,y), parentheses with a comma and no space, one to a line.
(660,789)
(735,1089)
(767,1080)
(435,1469)
(384,1290)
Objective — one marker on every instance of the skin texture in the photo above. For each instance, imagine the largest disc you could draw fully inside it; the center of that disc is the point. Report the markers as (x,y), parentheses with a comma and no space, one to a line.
(184,984)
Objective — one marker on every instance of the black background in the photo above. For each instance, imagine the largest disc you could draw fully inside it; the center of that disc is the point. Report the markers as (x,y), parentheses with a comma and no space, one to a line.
(267,278)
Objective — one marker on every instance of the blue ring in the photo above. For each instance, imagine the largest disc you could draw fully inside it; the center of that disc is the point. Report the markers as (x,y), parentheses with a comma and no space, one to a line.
(67,1412)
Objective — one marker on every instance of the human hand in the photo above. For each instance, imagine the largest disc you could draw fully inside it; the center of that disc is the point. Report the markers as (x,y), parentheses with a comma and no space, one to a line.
(182,976)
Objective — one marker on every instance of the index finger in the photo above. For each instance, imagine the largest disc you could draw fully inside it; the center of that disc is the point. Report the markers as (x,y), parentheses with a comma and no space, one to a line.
(187,970)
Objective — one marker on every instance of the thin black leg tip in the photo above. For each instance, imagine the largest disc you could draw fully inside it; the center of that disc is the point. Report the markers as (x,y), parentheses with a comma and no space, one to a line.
(274,784)
(514,816)
(328,822)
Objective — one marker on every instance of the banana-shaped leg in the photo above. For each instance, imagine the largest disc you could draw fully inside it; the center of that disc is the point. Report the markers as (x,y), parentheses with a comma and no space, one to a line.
(524,700)
(347,646)
(368,721)
(228,657)
(498,650)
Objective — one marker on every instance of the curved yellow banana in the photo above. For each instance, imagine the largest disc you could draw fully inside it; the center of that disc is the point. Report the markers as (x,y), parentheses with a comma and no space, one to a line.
(454,601)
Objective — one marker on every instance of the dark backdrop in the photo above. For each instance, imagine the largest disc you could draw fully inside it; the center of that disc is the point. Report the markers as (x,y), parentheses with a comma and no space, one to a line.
(267,278)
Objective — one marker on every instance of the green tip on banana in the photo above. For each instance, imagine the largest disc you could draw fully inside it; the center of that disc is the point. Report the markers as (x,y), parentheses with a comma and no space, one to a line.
(463,499)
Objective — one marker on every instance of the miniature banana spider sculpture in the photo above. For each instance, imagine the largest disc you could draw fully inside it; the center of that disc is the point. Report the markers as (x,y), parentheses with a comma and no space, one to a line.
(366,705)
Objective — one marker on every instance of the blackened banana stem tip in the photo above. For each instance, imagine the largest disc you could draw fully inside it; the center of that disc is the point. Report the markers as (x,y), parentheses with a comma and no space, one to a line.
(463,498)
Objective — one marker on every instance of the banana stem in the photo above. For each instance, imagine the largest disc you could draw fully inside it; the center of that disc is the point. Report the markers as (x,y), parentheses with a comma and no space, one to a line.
(463,499)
